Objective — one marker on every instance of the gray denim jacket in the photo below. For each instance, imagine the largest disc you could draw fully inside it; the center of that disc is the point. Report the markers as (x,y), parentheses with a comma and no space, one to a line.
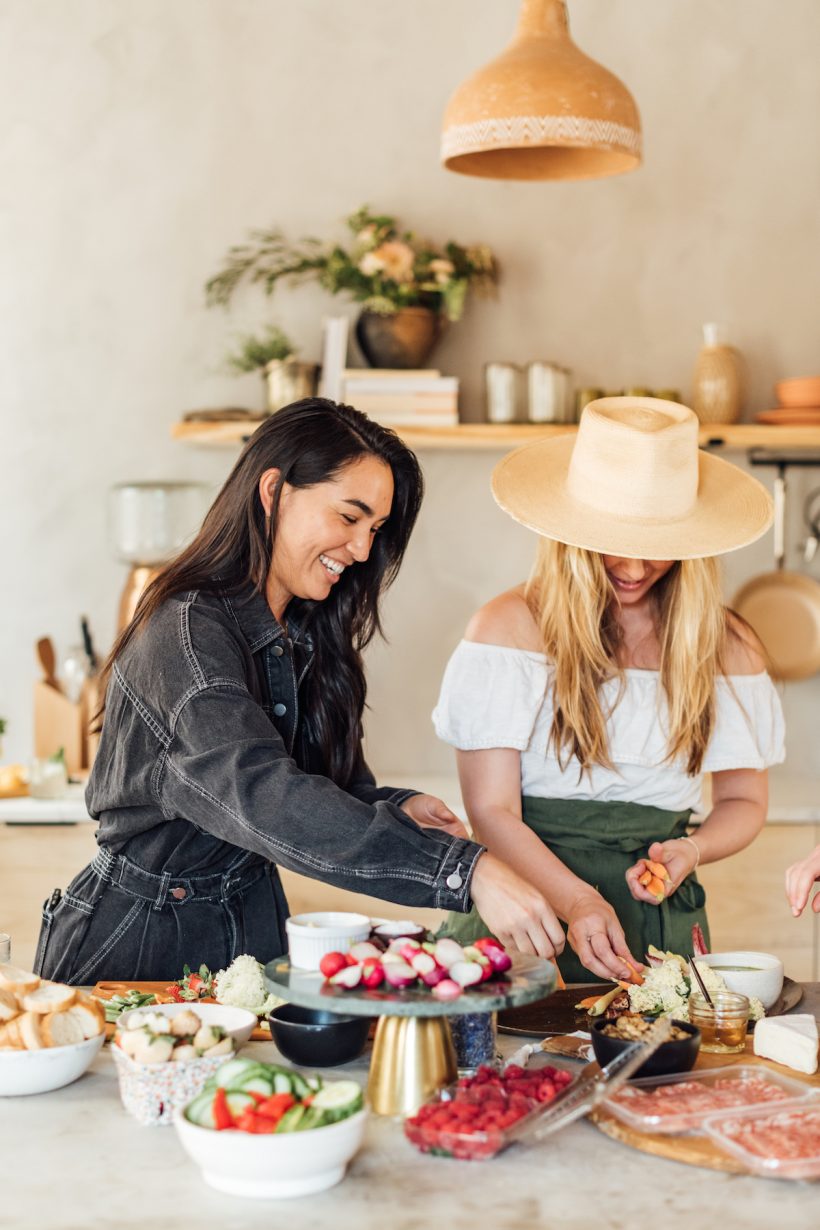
(202,725)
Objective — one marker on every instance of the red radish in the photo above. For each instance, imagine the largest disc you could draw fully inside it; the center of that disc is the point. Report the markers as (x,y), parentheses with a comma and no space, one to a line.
(422,962)
(447,952)
(466,973)
(350,960)
(349,977)
(363,950)
(495,953)
(372,973)
(399,974)
(436,975)
(332,962)
(408,949)
(447,989)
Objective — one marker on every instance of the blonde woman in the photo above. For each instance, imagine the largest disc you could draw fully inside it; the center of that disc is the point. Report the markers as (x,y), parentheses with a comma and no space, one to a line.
(587,705)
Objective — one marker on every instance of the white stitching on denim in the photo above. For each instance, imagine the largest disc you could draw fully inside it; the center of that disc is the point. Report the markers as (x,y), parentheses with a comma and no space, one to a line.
(109,942)
(300,856)
(78,904)
(197,690)
(150,721)
(103,864)
(185,636)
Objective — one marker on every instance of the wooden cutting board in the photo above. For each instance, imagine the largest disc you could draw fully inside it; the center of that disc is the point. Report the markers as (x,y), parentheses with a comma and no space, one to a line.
(104,990)
(694,1150)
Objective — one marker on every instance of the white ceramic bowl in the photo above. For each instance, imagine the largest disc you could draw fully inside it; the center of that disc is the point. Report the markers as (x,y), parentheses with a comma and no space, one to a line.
(756,973)
(25,1072)
(237,1022)
(293,1164)
(310,936)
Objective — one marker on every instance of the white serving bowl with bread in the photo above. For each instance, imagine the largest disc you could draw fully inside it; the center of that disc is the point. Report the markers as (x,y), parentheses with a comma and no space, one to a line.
(49,1033)
(758,974)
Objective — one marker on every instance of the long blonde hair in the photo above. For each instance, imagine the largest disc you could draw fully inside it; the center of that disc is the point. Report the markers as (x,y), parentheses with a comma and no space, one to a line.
(572,601)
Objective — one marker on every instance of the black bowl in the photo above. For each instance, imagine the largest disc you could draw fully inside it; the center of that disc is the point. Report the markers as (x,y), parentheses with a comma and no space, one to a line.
(316,1037)
(675,1056)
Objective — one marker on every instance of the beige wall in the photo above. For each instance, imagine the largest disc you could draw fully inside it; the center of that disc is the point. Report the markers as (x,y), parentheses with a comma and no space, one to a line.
(140,138)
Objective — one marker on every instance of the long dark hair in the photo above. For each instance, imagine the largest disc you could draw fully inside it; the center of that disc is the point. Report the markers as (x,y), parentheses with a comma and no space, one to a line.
(309,442)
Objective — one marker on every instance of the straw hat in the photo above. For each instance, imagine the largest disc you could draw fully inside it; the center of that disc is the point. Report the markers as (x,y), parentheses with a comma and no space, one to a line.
(634,483)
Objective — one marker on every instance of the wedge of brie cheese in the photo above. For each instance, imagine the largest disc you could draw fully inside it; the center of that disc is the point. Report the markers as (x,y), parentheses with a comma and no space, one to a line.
(790,1040)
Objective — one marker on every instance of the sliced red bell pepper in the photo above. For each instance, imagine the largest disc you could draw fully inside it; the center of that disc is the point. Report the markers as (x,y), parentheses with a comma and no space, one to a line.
(275,1106)
(222,1115)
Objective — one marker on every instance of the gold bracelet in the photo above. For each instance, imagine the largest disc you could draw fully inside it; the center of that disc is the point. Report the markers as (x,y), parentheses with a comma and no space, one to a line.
(692,842)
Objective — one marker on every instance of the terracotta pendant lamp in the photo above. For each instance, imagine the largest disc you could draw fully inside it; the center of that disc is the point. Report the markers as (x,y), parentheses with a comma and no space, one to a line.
(542,109)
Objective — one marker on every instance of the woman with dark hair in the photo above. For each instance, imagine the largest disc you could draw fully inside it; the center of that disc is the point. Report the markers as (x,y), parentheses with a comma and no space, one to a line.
(231,736)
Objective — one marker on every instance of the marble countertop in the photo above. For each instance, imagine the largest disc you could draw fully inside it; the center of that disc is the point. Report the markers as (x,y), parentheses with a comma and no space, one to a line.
(74,1160)
(793,799)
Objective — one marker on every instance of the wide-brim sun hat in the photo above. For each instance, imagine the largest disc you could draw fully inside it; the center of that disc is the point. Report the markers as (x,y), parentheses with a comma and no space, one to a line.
(632,482)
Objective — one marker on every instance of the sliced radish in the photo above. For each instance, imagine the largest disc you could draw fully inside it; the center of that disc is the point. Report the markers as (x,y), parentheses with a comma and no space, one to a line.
(363,950)
(349,977)
(447,952)
(372,973)
(495,953)
(436,975)
(332,962)
(422,962)
(466,973)
(399,974)
(447,989)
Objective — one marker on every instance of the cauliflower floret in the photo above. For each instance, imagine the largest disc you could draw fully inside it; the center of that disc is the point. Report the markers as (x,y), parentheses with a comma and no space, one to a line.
(242,985)
(666,988)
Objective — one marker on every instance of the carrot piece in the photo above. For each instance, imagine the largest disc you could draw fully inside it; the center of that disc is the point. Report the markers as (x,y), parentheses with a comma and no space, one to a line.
(589,1002)
(655,887)
(657,869)
(645,878)
(559,979)
(636,977)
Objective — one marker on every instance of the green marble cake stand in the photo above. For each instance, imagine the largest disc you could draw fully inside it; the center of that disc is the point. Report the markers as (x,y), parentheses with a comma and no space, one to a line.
(413,1054)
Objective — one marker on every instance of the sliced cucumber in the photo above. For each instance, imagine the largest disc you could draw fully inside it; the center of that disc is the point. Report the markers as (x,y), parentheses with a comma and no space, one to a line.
(201,1111)
(312,1118)
(282,1083)
(291,1119)
(230,1074)
(237,1101)
(338,1100)
(301,1088)
(256,1083)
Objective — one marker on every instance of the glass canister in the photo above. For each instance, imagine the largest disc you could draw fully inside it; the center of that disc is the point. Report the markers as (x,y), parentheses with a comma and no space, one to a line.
(503,393)
(723,1023)
(474,1039)
(548,393)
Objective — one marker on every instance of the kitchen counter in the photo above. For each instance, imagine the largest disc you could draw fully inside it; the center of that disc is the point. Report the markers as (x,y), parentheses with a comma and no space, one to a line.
(97,1168)
(793,799)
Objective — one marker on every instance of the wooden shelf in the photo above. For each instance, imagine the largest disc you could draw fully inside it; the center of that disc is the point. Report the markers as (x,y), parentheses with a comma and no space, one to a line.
(473,436)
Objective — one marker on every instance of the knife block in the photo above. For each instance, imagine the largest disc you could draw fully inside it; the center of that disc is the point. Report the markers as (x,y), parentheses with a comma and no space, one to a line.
(61,723)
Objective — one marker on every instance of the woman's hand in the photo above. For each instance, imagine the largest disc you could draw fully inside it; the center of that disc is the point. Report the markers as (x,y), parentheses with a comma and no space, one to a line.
(598,938)
(799,879)
(678,857)
(515,912)
(431,813)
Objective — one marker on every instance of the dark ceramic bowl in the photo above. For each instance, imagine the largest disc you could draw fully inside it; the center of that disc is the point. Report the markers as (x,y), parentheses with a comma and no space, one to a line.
(316,1038)
(675,1056)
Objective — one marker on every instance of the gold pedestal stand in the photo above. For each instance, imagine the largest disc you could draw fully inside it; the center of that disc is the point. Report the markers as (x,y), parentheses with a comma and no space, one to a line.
(412,1058)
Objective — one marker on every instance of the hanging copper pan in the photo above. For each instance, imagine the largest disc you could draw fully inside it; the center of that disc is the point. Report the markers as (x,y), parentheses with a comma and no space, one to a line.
(784,607)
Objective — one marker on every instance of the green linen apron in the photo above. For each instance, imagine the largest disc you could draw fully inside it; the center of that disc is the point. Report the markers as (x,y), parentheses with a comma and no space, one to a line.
(599,842)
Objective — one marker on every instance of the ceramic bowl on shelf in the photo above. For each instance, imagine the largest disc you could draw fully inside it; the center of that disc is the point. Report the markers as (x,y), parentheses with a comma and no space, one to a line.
(677,1055)
(798,391)
(27,1072)
(315,1038)
(272,1166)
(237,1022)
(758,974)
(311,936)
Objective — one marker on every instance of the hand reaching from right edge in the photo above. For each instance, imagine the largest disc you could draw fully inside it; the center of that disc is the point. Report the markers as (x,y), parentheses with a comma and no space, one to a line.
(515,912)
(799,879)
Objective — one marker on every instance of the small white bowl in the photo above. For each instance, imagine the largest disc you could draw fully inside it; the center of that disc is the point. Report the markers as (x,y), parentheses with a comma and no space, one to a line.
(293,1164)
(762,978)
(310,936)
(26,1072)
(237,1022)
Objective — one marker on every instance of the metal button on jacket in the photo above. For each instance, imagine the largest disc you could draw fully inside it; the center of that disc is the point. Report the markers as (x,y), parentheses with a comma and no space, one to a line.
(454,879)
(280,710)
(277,651)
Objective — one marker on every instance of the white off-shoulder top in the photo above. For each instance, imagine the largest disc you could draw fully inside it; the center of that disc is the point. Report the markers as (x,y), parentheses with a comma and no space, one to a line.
(493,696)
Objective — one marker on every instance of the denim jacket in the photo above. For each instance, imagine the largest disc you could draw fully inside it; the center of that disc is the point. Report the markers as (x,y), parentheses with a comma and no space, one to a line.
(203,733)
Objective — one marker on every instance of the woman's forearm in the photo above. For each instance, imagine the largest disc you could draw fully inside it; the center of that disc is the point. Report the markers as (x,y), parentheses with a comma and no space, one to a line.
(731,825)
(505,835)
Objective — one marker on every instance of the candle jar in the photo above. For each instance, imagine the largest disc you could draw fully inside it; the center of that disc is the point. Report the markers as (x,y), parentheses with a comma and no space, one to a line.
(474,1039)
(723,1023)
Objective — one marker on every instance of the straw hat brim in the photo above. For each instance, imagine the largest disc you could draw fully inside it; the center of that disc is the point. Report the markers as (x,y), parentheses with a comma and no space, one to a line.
(732,508)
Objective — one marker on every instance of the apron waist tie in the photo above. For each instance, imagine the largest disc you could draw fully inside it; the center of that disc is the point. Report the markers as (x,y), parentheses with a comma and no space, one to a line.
(170,889)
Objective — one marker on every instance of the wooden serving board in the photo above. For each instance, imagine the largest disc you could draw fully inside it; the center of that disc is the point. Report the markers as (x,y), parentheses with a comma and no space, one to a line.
(693,1150)
(104,990)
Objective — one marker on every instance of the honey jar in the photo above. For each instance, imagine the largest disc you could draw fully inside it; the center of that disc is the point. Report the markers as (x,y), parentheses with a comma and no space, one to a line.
(723,1023)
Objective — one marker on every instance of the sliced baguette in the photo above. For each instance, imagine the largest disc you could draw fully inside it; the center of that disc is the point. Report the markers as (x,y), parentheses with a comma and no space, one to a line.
(48,997)
(28,1026)
(87,1020)
(90,1001)
(19,981)
(9,1041)
(60,1029)
(8,1006)
(12,1035)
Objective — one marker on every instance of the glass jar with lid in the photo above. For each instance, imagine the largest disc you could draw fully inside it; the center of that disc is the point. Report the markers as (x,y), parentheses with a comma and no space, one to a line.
(723,1023)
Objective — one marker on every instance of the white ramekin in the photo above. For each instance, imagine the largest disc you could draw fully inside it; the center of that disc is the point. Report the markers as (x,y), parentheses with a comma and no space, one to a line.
(310,936)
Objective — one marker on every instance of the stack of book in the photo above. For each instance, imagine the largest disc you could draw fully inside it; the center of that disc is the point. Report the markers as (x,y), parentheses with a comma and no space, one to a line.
(398,398)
